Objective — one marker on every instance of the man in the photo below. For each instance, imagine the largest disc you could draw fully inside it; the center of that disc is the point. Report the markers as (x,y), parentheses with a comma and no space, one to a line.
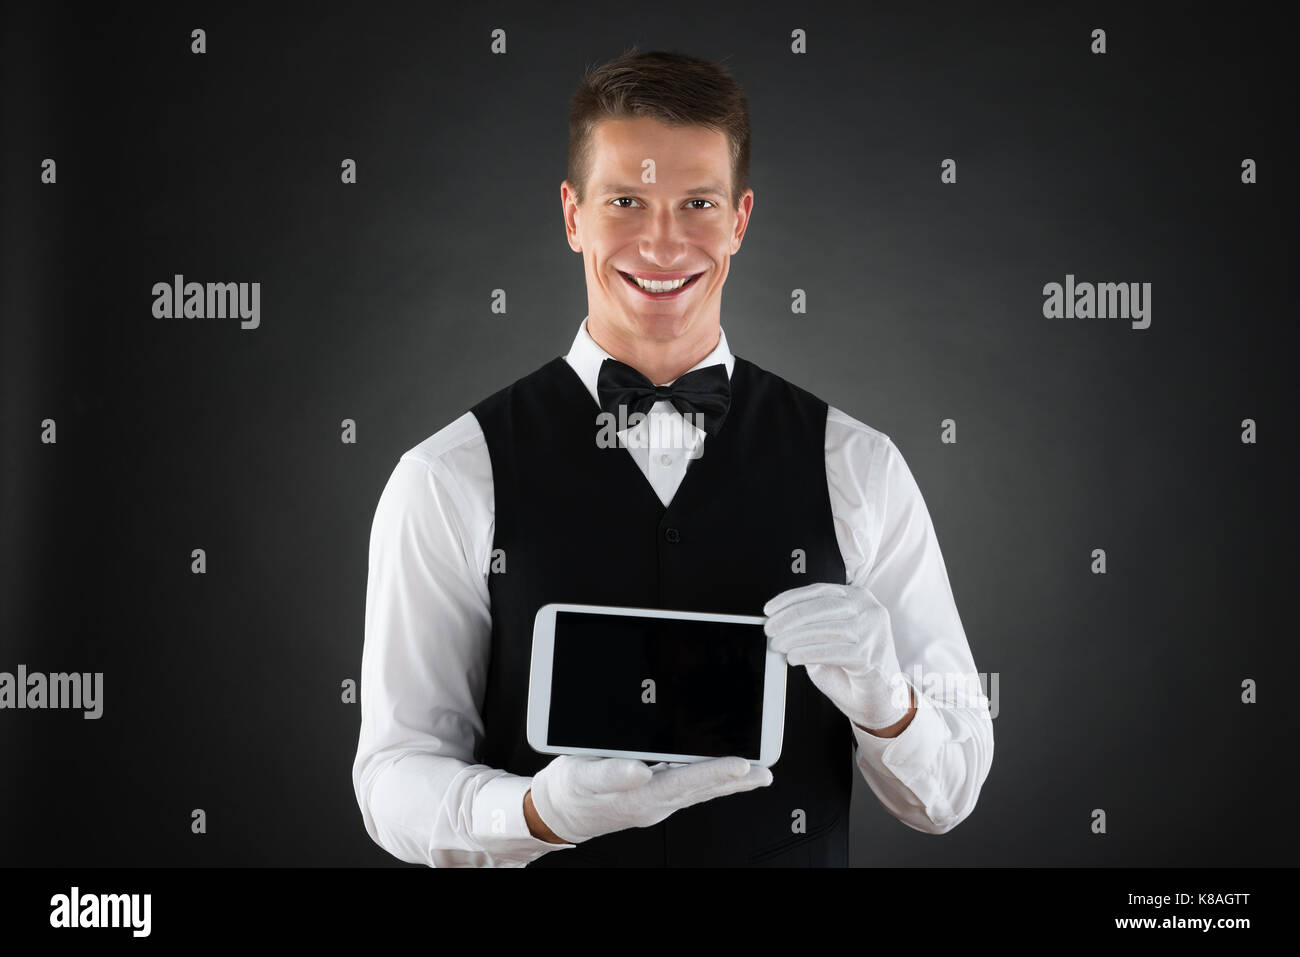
(758,498)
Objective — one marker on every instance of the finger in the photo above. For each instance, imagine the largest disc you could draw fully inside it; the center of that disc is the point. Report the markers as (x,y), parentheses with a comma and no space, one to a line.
(801,594)
(614,774)
(756,778)
(788,641)
(826,653)
(824,608)
(672,784)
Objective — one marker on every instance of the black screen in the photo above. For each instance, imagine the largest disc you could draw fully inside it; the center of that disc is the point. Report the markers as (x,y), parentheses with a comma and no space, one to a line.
(708,685)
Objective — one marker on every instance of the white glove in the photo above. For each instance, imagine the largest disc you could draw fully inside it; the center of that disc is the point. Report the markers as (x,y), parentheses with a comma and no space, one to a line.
(579,796)
(842,634)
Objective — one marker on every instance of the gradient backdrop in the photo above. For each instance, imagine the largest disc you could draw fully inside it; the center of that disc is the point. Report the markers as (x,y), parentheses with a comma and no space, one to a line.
(1119,691)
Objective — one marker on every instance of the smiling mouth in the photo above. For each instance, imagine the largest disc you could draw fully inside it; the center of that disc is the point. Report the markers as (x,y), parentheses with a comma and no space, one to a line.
(664,289)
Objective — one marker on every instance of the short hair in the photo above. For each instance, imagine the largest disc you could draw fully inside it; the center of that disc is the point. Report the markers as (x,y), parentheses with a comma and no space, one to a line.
(673,88)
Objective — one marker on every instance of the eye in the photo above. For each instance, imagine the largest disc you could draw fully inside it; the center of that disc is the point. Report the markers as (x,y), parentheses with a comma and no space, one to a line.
(629,199)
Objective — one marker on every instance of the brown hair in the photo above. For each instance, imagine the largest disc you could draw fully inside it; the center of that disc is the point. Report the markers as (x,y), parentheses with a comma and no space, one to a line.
(673,88)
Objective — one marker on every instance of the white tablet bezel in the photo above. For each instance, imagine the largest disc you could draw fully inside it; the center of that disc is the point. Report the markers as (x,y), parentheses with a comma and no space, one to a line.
(539,684)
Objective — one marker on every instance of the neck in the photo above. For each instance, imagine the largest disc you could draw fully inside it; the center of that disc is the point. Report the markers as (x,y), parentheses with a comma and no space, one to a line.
(660,362)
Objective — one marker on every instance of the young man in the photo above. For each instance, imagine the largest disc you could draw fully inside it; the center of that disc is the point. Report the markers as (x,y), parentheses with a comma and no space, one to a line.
(758,498)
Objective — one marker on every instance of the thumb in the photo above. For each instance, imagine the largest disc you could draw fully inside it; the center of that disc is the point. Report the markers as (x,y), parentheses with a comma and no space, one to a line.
(615,774)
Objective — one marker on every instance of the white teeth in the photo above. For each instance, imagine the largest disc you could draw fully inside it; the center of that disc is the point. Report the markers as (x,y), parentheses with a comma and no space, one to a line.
(656,286)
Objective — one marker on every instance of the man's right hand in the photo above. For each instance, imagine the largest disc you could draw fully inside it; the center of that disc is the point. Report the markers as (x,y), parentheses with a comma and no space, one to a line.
(578,797)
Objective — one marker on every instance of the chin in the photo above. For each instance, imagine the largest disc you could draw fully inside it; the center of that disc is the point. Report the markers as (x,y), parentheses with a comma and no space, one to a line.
(663,326)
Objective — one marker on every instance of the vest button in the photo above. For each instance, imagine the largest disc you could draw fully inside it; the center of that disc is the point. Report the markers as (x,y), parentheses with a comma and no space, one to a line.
(672,535)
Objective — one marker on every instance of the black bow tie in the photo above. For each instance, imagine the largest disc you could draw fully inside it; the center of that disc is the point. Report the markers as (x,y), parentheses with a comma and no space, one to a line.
(706,391)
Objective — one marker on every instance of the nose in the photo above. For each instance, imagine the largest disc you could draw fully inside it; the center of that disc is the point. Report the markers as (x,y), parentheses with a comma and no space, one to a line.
(664,240)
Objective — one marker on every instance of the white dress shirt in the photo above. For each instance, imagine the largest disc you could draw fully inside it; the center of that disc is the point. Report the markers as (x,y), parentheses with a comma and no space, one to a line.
(428,637)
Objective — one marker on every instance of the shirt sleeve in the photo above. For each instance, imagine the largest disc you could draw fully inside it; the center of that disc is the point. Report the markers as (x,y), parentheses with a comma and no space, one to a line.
(424,668)
(930,775)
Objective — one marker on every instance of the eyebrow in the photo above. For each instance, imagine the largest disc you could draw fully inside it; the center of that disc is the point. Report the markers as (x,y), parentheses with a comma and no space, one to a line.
(696,191)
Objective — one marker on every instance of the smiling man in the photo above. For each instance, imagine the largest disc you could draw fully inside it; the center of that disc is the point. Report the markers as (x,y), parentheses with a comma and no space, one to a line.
(656,254)
(732,491)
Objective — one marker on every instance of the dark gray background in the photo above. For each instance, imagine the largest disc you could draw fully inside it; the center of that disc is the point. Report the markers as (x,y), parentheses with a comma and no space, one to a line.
(222,691)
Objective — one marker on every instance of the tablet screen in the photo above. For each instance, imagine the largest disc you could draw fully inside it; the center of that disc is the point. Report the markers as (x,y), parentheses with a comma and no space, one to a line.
(627,683)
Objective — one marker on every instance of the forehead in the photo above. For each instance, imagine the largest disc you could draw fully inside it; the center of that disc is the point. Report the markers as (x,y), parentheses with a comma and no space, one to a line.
(625,142)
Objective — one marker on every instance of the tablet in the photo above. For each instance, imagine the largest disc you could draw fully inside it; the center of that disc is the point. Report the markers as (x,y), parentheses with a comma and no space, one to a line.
(654,684)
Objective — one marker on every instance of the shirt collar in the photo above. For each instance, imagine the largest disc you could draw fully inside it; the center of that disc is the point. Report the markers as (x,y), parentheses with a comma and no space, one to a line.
(586,356)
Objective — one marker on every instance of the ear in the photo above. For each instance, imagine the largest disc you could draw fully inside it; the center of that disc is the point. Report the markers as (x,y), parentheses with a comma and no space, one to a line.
(744,210)
(569,209)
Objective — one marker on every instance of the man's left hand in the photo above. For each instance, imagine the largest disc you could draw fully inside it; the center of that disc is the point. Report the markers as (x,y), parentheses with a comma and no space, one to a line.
(842,634)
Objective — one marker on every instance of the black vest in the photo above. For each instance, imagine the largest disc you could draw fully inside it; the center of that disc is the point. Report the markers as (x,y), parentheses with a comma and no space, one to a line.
(580,523)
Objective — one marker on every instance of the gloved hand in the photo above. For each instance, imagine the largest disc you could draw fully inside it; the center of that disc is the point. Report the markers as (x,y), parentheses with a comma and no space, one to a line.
(842,634)
(579,796)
